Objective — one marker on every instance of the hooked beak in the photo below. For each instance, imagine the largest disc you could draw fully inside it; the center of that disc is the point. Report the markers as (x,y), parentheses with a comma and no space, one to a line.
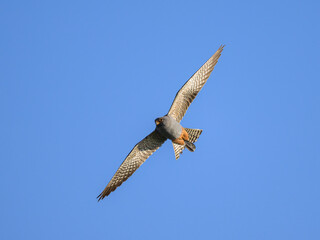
(157,121)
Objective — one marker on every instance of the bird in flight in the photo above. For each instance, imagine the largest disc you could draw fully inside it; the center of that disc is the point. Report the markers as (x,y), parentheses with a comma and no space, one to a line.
(167,127)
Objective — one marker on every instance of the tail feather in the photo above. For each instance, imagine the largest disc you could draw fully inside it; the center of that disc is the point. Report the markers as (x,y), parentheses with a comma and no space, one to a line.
(178,149)
(194,134)
(190,146)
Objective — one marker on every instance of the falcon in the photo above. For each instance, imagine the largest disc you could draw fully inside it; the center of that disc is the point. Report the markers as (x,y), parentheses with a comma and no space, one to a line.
(167,127)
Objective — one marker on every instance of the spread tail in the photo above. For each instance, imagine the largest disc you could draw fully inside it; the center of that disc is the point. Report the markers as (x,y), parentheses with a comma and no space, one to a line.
(194,134)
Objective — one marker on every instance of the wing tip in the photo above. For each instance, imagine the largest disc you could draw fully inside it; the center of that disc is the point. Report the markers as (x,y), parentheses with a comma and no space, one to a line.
(214,58)
(221,47)
(101,196)
(105,193)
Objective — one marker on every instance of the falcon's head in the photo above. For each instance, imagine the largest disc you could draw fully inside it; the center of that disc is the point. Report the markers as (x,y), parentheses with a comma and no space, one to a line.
(162,121)
(159,121)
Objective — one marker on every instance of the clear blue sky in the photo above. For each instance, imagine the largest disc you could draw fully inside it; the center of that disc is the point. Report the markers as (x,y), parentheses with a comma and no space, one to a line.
(81,82)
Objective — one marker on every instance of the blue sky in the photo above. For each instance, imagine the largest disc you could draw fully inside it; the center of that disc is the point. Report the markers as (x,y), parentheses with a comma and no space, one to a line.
(82,82)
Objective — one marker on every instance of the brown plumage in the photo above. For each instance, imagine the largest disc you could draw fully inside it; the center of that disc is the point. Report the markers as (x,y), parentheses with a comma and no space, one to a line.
(183,137)
(193,135)
(192,87)
(133,161)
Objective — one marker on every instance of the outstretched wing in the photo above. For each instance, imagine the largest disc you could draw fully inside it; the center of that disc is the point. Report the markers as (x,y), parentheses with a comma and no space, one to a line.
(133,161)
(192,87)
